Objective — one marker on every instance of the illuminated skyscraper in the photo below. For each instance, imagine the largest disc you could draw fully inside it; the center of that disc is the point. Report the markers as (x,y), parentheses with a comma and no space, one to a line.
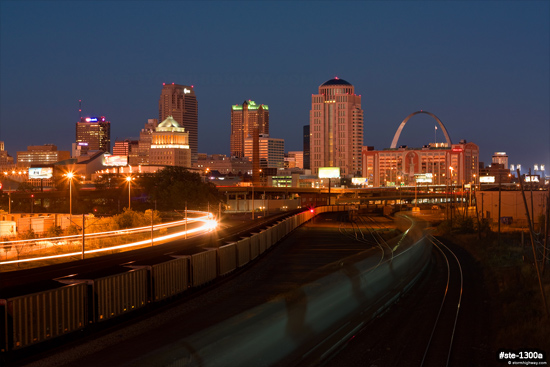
(170,145)
(336,128)
(180,102)
(95,131)
(244,119)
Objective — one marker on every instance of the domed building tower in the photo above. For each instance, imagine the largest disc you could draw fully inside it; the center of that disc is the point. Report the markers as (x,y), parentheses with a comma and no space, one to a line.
(336,128)
(170,145)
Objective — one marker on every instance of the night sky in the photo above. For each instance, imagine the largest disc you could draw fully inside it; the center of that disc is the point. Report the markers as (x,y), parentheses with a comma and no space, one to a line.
(481,67)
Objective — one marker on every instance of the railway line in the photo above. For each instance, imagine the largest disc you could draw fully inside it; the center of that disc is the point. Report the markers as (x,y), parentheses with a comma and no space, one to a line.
(433,325)
(440,344)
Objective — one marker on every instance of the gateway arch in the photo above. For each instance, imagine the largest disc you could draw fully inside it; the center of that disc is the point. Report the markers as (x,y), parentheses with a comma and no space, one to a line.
(398,132)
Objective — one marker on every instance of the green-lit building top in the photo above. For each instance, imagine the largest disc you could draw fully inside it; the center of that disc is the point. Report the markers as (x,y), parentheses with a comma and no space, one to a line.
(251,106)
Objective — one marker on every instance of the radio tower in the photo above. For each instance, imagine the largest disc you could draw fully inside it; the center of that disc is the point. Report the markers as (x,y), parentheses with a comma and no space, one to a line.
(79,110)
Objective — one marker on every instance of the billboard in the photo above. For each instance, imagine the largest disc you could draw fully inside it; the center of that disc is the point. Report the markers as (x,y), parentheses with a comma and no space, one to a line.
(532,178)
(359,180)
(423,177)
(329,172)
(116,160)
(40,172)
(487,179)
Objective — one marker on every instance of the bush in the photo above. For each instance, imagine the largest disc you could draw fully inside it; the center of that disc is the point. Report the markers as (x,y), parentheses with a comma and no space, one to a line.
(72,230)
(444,228)
(28,235)
(465,225)
(54,231)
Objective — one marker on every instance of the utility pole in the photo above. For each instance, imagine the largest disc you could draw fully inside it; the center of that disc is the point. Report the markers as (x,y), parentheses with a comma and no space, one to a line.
(499,202)
(186,220)
(547,224)
(151,228)
(531,192)
(477,215)
(252,201)
(83,238)
(482,210)
(533,245)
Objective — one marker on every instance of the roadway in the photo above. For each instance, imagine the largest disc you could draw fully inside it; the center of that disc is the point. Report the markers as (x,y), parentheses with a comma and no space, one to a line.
(309,253)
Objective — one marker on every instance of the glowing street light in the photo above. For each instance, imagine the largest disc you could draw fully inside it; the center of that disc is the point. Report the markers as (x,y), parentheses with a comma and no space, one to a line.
(129,180)
(70,176)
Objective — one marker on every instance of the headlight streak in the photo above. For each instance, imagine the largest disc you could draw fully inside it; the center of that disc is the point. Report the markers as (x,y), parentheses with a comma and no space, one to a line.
(209,225)
(104,234)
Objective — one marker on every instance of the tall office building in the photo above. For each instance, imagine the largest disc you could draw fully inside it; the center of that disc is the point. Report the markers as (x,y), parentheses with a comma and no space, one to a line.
(180,102)
(336,128)
(244,119)
(306,148)
(95,131)
(170,145)
(501,158)
(144,144)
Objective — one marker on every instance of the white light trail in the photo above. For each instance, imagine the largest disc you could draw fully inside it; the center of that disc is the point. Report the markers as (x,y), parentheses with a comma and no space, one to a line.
(209,225)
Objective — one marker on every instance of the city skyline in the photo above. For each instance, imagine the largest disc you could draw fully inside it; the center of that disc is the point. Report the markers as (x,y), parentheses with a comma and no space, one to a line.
(482,68)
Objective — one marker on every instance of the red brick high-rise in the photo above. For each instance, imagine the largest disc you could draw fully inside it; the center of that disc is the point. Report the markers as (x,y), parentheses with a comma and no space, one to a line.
(244,119)
(336,128)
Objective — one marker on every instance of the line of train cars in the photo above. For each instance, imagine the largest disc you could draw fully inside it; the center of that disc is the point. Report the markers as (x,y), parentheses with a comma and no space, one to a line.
(72,303)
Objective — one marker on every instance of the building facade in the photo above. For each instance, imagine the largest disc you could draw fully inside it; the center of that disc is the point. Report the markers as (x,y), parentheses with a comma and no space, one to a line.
(271,151)
(398,166)
(180,102)
(244,119)
(170,145)
(500,158)
(294,159)
(141,156)
(5,158)
(125,147)
(37,155)
(223,164)
(336,128)
(96,132)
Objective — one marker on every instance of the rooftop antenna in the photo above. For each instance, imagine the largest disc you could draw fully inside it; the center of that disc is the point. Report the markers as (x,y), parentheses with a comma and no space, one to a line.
(79,109)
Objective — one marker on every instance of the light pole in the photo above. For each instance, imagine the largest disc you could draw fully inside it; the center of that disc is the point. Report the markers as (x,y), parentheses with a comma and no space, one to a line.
(399,188)
(70,176)
(129,180)
(451,168)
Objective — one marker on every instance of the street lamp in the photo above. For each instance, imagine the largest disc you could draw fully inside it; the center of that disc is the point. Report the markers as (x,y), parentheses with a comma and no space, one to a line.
(129,180)
(70,176)
(452,191)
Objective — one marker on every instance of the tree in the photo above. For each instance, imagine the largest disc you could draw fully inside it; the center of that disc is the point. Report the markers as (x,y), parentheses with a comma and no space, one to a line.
(25,187)
(172,187)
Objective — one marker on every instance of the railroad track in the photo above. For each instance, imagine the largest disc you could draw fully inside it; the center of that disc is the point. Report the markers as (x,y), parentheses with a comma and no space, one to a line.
(439,347)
